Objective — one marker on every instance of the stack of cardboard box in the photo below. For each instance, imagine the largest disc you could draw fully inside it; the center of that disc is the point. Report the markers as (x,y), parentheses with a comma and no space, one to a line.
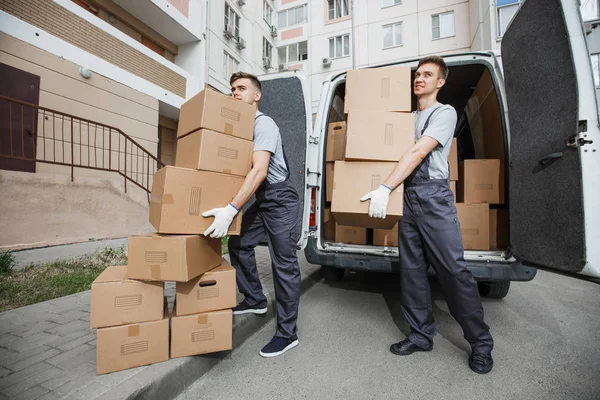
(380,129)
(214,154)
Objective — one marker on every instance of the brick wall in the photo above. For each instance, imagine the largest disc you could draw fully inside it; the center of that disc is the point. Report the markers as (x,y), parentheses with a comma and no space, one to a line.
(61,23)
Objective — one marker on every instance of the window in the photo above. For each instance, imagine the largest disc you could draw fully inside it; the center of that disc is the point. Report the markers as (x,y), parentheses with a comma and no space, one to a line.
(442,25)
(392,35)
(589,9)
(267,13)
(232,21)
(389,3)
(293,53)
(507,9)
(338,9)
(292,16)
(339,46)
(267,49)
(230,66)
(596,69)
(152,46)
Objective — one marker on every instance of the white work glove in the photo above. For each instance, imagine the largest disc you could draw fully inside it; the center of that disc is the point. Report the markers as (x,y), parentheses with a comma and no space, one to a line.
(223,218)
(379,200)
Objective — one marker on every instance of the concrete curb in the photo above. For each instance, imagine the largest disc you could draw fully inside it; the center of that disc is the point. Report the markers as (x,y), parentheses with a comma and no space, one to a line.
(167,380)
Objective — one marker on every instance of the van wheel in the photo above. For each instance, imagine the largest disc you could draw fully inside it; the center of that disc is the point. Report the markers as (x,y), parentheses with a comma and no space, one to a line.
(494,290)
(332,274)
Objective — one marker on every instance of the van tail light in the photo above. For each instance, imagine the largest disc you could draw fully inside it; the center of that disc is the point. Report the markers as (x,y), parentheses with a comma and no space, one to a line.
(312,222)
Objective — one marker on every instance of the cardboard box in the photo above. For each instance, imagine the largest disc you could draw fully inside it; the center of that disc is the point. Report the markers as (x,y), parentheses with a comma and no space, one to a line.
(208,150)
(116,300)
(213,290)
(499,229)
(213,110)
(379,135)
(171,257)
(453,188)
(329,172)
(480,182)
(474,219)
(382,89)
(180,196)
(201,333)
(453,160)
(129,346)
(336,141)
(350,234)
(386,237)
(353,180)
(328,225)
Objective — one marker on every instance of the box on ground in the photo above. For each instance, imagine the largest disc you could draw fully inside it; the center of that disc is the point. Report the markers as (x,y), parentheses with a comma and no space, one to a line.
(329,170)
(201,333)
(336,141)
(212,110)
(129,346)
(213,290)
(180,196)
(474,221)
(379,135)
(453,160)
(350,234)
(328,224)
(499,228)
(383,89)
(480,182)
(353,180)
(208,150)
(171,257)
(116,300)
(386,237)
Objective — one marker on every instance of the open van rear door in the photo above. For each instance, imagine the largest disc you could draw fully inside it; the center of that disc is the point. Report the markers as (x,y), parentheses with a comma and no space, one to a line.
(554,138)
(286,99)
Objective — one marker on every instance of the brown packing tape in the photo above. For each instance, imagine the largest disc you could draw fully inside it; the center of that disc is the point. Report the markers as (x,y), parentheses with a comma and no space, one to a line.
(228,129)
(155,273)
(202,319)
(167,199)
(133,330)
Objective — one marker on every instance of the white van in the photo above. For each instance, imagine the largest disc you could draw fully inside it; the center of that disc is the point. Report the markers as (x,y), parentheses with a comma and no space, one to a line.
(548,111)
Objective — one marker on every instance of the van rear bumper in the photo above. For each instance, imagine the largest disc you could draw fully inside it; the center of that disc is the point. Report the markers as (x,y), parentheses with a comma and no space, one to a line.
(482,271)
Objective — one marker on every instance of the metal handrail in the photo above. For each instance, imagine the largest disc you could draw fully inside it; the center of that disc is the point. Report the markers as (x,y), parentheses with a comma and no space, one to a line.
(70,153)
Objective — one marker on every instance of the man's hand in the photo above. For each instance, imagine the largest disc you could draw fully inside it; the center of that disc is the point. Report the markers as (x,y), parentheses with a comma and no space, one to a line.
(379,200)
(223,218)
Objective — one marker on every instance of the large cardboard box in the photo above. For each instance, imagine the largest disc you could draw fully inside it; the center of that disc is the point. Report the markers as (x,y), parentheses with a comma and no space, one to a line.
(474,219)
(336,141)
(328,225)
(353,180)
(180,196)
(212,110)
(213,290)
(129,346)
(453,160)
(382,89)
(116,300)
(329,170)
(350,234)
(499,229)
(386,237)
(201,333)
(379,135)
(171,257)
(480,182)
(208,150)
(453,189)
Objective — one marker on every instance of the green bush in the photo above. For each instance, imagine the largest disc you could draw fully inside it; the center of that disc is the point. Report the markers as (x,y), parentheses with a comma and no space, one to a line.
(7,262)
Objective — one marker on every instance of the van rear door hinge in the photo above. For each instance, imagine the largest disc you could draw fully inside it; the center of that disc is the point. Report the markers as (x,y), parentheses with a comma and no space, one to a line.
(310,234)
(313,139)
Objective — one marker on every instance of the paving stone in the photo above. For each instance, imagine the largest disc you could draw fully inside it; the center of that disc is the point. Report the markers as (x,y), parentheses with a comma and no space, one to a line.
(80,388)
(31,394)
(68,355)
(50,396)
(76,361)
(69,337)
(23,374)
(87,370)
(14,357)
(30,330)
(32,341)
(13,391)
(90,391)
(78,342)
(63,330)
(34,359)
(68,316)
(122,391)
(4,372)
(9,327)
(86,318)
(7,338)
(5,356)
(92,342)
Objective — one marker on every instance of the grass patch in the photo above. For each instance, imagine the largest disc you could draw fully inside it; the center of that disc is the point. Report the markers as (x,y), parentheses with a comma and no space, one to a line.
(37,283)
(7,262)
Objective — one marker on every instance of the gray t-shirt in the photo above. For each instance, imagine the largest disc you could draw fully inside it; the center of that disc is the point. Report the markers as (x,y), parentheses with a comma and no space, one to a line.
(441,127)
(268,138)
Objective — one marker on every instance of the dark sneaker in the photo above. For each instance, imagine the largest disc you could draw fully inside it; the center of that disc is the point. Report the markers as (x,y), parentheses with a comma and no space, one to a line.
(481,363)
(279,345)
(406,347)
(244,308)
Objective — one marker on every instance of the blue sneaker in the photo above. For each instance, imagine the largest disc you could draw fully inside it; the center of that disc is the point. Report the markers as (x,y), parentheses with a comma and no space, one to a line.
(244,308)
(279,345)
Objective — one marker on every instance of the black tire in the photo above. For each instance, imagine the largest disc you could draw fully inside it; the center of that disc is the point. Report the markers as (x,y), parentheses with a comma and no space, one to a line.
(332,274)
(494,290)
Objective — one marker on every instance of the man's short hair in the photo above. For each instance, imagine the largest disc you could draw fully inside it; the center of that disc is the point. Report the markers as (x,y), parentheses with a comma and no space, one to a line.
(241,75)
(437,60)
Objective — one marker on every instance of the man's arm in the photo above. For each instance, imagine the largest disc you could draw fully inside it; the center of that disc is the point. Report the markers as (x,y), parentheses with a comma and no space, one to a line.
(256,176)
(411,160)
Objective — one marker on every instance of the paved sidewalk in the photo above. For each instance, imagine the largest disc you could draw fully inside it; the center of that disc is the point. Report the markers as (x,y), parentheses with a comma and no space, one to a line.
(48,351)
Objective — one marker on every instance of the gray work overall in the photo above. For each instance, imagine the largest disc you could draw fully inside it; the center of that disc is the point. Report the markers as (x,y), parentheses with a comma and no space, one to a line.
(429,234)
(275,212)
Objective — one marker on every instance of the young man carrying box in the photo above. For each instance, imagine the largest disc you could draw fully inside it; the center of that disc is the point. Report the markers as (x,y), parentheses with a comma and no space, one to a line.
(429,232)
(275,213)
